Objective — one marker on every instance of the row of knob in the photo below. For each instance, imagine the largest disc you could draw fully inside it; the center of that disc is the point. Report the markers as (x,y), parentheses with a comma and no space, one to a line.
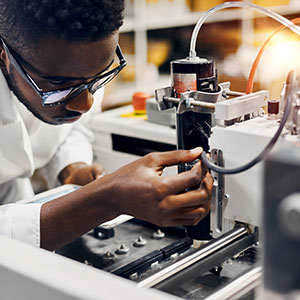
(139,242)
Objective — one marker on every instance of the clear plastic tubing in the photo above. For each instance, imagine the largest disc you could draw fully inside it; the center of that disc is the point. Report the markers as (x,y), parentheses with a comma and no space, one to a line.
(273,15)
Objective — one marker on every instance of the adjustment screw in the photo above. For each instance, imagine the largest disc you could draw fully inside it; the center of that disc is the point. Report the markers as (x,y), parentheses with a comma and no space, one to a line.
(108,256)
(158,234)
(134,276)
(140,242)
(122,249)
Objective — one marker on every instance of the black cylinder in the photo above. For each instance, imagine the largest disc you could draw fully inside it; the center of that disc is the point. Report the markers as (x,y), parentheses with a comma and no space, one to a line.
(193,74)
(193,127)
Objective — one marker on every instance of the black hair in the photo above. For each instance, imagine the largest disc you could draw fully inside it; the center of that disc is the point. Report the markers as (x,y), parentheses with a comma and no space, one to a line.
(23,22)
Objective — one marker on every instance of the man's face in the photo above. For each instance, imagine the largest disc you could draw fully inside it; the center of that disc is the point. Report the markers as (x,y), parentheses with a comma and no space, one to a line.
(56,64)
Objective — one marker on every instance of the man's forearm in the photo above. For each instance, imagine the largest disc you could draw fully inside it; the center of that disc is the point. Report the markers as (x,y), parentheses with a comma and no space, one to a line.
(66,218)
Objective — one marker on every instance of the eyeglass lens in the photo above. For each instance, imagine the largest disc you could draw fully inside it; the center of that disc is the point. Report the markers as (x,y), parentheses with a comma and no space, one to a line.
(61,95)
(56,97)
(102,81)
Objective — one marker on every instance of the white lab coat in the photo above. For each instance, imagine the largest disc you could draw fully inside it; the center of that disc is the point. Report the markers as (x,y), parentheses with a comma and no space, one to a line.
(28,144)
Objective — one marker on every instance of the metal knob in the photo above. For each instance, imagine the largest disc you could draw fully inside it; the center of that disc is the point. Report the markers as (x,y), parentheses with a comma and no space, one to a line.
(288,215)
(140,242)
(109,256)
(122,249)
(158,234)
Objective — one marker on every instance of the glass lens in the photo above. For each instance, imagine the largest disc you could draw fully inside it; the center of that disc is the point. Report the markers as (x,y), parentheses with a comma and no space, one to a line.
(102,81)
(56,96)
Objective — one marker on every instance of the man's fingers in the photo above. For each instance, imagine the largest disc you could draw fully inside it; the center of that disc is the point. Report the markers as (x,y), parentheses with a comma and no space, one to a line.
(194,212)
(185,180)
(185,222)
(193,199)
(207,183)
(171,158)
(97,171)
(192,215)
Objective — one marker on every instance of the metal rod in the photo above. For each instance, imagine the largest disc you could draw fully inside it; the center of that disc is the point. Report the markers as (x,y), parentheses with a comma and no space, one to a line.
(192,102)
(233,93)
(240,286)
(171,99)
(208,249)
(203,104)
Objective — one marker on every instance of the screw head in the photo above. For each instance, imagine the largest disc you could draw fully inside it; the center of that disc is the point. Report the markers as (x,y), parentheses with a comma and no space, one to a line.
(134,276)
(140,242)
(108,256)
(122,249)
(158,234)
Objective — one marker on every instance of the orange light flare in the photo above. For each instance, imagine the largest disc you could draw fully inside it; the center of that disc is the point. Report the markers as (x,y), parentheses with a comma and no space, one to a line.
(280,48)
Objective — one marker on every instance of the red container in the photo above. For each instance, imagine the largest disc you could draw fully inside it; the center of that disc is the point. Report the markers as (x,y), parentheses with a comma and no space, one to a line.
(139,102)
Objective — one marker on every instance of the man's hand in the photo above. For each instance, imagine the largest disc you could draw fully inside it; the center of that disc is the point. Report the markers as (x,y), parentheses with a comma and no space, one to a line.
(80,173)
(138,189)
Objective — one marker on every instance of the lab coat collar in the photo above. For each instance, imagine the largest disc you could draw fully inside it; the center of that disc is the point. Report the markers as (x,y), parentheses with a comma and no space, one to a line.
(16,158)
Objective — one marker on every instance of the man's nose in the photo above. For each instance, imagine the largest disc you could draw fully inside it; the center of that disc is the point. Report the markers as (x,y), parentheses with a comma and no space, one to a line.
(81,103)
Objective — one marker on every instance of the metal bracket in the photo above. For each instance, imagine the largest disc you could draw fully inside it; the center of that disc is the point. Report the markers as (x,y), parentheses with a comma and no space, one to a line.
(217,209)
(190,100)
(295,115)
(159,96)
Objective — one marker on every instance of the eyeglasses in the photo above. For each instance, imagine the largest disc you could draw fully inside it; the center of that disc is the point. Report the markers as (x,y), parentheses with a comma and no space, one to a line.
(52,98)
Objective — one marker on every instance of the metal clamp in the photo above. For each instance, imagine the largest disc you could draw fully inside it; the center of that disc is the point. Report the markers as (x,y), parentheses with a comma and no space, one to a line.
(217,210)
(198,99)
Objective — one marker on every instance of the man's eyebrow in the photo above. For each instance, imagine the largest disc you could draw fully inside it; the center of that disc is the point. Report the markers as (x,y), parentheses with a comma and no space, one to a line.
(71,78)
(26,64)
(32,69)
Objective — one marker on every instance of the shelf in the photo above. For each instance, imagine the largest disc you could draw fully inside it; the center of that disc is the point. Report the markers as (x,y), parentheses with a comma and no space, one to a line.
(141,18)
(191,18)
(123,91)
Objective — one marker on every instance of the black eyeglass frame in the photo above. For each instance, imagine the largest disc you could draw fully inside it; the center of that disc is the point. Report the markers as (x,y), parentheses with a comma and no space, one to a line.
(75,90)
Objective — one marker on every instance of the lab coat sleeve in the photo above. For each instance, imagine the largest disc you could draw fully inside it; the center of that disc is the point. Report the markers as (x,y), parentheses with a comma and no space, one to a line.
(21,222)
(77,147)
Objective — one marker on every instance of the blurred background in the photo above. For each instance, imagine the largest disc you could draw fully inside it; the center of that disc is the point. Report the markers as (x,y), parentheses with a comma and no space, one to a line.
(156,32)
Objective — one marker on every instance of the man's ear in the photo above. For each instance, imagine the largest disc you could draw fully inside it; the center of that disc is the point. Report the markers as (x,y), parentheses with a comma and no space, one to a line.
(3,57)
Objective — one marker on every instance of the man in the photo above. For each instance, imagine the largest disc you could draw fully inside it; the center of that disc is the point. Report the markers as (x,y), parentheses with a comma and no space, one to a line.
(53,56)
